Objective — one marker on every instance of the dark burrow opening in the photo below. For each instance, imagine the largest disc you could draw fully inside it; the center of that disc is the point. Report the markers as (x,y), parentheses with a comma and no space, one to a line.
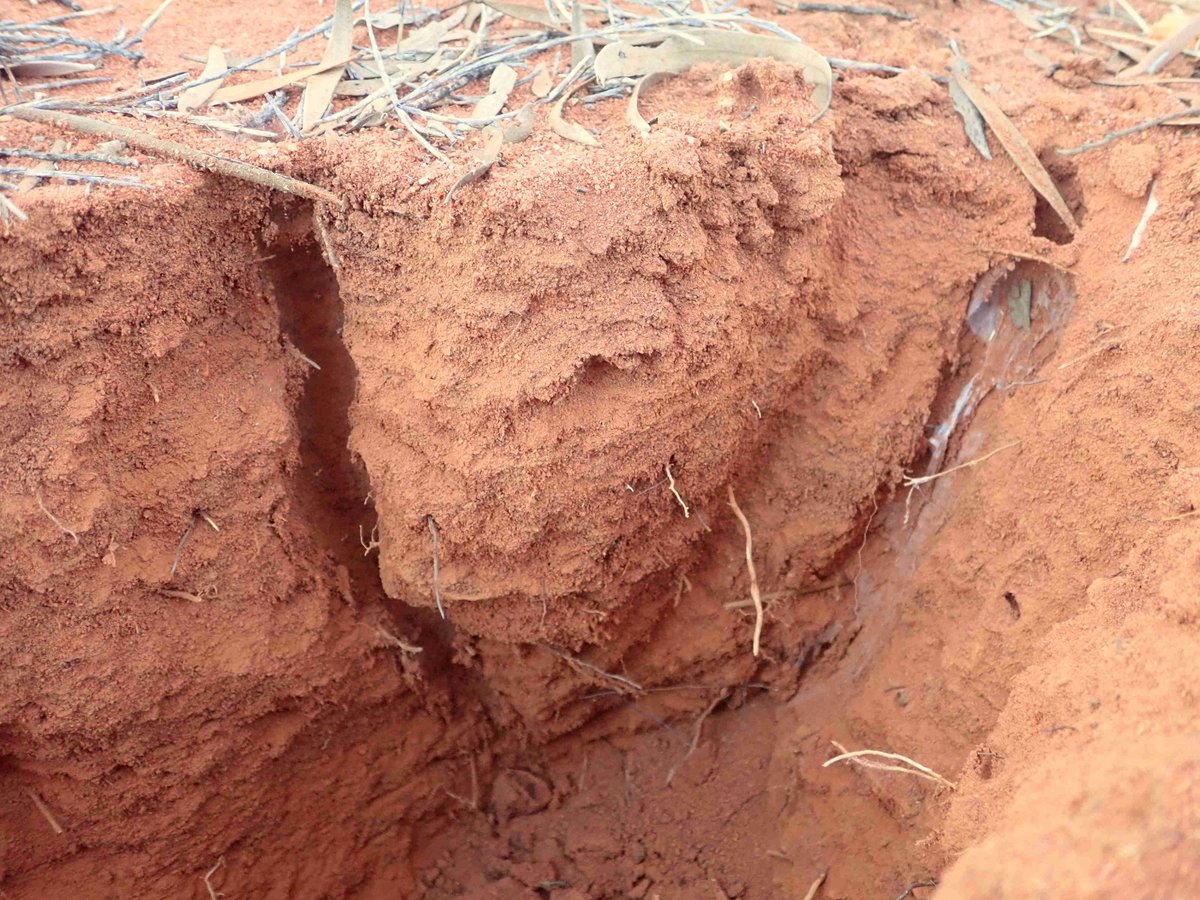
(331,492)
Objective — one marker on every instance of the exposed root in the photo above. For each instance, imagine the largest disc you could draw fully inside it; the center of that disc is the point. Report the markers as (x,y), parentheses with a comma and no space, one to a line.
(696,733)
(53,518)
(213,893)
(181,595)
(671,487)
(755,596)
(179,547)
(369,544)
(207,518)
(626,684)
(815,886)
(396,642)
(869,759)
(437,575)
(914,483)
(45,811)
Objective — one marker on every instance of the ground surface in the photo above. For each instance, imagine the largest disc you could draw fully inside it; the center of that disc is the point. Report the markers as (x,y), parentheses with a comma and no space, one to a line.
(748,298)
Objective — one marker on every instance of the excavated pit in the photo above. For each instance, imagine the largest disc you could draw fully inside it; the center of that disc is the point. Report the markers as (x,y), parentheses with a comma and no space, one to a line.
(753,307)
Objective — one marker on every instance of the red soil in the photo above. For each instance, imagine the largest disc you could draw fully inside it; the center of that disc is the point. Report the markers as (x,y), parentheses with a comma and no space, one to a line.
(511,364)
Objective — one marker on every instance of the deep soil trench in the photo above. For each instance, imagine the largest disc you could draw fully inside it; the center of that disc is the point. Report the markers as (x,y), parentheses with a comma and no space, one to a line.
(272,706)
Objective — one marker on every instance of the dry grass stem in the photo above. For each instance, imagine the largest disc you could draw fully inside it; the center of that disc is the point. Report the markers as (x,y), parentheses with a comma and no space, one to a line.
(755,595)
(869,759)
(53,518)
(671,487)
(45,811)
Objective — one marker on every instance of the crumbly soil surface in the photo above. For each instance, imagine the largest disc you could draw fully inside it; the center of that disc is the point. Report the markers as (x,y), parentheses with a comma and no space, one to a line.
(223,670)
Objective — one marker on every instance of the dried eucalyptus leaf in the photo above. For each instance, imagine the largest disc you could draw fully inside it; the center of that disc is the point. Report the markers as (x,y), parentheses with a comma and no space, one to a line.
(486,156)
(1018,148)
(971,118)
(318,93)
(195,97)
(47,68)
(675,54)
(572,131)
(541,84)
(632,115)
(522,128)
(504,78)
(236,93)
(426,38)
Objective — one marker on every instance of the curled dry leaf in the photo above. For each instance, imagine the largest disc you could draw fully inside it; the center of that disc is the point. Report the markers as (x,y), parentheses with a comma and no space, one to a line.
(632,115)
(522,128)
(318,93)
(195,97)
(1018,148)
(504,78)
(622,59)
(485,156)
(572,131)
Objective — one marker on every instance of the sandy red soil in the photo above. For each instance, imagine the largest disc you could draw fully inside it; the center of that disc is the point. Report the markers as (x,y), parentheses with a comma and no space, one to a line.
(757,302)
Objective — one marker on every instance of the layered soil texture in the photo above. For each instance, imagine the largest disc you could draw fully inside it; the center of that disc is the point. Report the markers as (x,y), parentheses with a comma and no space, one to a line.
(389,549)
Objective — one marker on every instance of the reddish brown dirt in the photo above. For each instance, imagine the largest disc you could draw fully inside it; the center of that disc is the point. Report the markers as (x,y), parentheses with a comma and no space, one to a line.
(510,364)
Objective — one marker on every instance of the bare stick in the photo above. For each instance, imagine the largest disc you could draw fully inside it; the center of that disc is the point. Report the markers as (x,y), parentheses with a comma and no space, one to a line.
(53,518)
(179,547)
(868,759)
(754,592)
(575,662)
(213,893)
(219,165)
(45,811)
(842,8)
(671,487)
(1125,132)
(696,733)
(149,23)
(437,575)
(25,153)
(923,883)
(207,518)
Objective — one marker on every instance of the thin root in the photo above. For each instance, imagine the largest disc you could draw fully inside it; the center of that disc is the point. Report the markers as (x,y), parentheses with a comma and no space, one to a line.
(53,518)
(213,893)
(869,759)
(755,595)
(914,483)
(45,811)
(671,487)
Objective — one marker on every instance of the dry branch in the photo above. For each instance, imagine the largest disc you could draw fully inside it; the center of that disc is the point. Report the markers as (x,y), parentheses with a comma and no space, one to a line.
(218,165)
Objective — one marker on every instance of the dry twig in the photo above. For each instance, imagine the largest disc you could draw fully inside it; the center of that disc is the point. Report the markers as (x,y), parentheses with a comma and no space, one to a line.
(174,150)
(45,811)
(53,518)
